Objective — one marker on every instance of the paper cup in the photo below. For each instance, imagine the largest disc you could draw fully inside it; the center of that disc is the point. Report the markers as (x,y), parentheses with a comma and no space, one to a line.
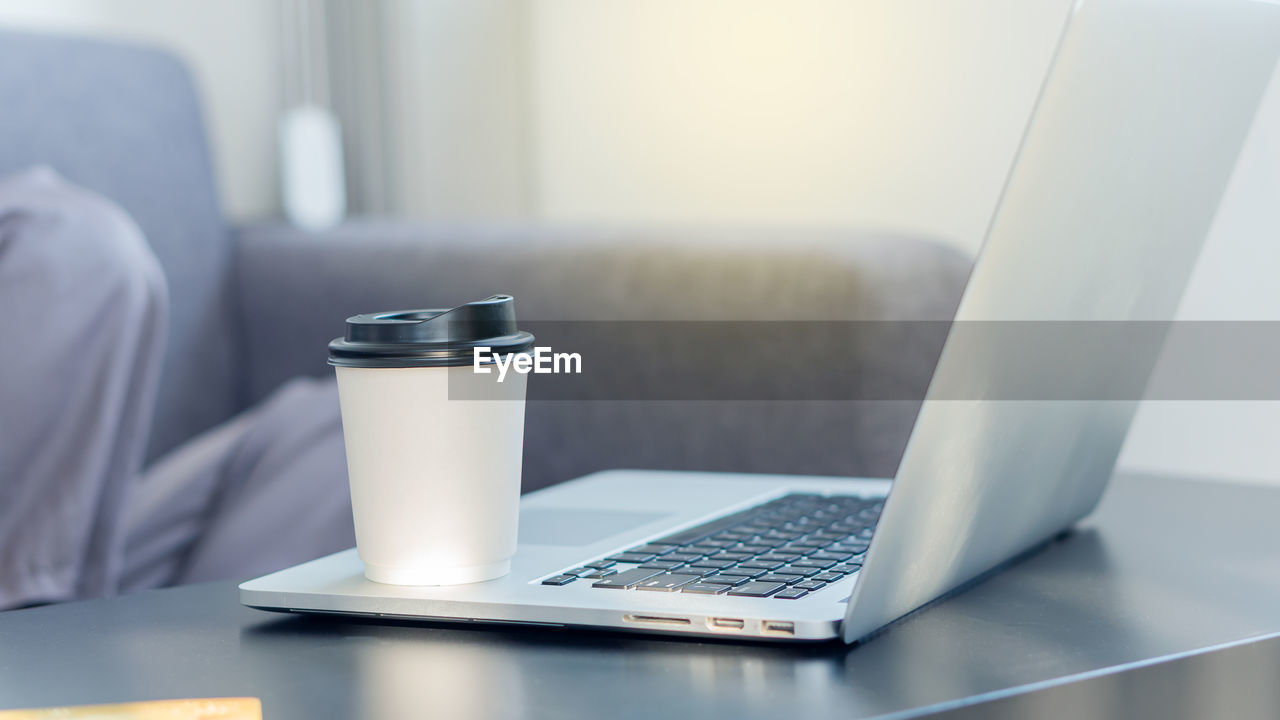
(434,448)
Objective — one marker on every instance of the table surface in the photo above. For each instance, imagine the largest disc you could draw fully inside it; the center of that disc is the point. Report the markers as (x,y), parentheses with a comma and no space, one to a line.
(1165,566)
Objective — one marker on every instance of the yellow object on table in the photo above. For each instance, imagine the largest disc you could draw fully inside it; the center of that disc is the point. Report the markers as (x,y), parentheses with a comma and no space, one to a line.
(196,709)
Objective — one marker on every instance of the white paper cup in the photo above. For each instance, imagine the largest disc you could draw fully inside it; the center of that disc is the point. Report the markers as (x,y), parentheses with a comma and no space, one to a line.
(435,480)
(433,447)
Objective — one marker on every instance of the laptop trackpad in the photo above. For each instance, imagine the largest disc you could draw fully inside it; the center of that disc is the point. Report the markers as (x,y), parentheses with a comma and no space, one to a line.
(557,526)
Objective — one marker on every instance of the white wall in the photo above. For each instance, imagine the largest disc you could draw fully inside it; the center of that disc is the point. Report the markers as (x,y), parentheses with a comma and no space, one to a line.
(899,114)
(458,108)
(232,47)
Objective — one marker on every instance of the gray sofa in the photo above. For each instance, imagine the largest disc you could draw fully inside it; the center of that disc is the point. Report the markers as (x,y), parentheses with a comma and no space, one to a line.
(255,306)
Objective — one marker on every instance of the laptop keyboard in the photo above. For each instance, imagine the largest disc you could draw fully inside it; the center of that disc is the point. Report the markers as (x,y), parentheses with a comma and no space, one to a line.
(786,549)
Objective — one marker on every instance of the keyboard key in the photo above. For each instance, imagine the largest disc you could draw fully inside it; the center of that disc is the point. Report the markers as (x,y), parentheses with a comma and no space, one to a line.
(681,556)
(704,588)
(828,577)
(560,580)
(754,549)
(763,564)
(847,568)
(729,580)
(700,550)
(713,564)
(599,564)
(626,579)
(667,583)
(811,585)
(627,557)
(813,563)
(783,557)
(660,564)
(807,523)
(792,594)
(731,555)
(792,547)
(847,527)
(586,572)
(743,572)
(805,571)
(784,579)
(827,555)
(757,589)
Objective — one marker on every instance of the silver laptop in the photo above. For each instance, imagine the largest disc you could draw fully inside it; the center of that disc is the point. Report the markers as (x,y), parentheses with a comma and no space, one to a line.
(1120,172)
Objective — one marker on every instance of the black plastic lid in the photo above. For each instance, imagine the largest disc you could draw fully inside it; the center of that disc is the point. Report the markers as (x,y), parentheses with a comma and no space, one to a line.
(430,338)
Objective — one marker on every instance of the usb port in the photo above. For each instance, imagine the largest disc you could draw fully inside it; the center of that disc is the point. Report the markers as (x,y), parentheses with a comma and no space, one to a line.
(778,627)
(717,623)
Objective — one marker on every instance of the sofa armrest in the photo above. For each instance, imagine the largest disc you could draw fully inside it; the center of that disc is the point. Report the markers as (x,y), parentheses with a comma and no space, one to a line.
(296,288)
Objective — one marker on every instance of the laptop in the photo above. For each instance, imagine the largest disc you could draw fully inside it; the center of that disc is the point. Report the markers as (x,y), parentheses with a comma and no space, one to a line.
(1119,174)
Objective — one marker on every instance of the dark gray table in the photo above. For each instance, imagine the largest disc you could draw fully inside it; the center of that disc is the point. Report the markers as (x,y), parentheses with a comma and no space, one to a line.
(1166,566)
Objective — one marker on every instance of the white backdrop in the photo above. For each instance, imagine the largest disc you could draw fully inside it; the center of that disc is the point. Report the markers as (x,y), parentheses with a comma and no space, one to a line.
(899,114)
